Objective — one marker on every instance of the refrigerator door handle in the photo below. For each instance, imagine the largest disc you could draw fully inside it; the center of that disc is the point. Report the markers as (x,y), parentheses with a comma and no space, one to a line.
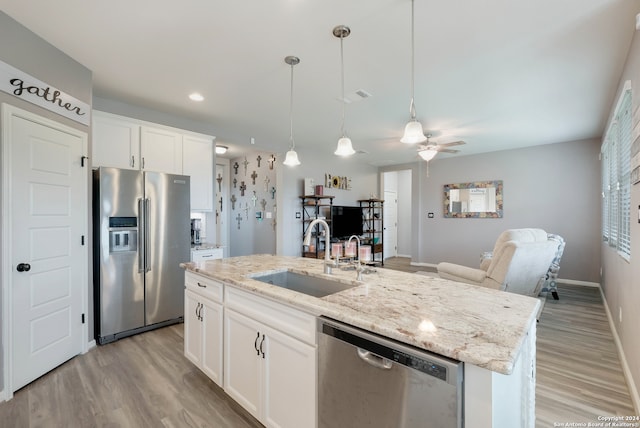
(147,267)
(141,236)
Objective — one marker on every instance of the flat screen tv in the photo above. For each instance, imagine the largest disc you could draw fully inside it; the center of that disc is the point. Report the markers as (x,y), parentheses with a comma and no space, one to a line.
(346,221)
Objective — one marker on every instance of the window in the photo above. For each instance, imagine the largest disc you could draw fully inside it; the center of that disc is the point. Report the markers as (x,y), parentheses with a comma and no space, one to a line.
(616,177)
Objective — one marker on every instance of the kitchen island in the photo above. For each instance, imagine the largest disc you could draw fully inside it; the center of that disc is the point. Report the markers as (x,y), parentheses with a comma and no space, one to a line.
(491,332)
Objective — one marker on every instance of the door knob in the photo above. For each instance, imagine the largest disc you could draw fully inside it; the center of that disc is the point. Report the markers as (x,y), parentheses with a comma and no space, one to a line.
(23,267)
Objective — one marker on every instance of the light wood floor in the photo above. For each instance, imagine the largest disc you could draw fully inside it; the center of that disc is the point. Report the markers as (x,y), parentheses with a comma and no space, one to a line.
(145,381)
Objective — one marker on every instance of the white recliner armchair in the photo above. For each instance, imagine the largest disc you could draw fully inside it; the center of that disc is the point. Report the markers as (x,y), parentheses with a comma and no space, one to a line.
(518,264)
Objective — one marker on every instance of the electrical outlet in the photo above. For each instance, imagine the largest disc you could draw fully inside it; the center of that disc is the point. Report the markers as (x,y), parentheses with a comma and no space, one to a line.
(620,314)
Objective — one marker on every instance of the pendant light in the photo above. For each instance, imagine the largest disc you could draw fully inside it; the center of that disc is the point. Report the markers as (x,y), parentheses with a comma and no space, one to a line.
(344,143)
(413,132)
(291,158)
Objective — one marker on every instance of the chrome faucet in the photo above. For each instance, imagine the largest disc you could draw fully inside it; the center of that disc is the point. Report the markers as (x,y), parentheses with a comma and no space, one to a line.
(358,265)
(307,241)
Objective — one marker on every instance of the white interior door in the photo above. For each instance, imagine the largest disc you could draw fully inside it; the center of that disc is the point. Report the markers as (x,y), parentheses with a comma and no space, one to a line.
(47,256)
(390,216)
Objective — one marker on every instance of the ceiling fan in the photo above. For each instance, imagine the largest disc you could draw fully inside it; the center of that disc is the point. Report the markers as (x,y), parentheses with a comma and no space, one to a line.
(429,149)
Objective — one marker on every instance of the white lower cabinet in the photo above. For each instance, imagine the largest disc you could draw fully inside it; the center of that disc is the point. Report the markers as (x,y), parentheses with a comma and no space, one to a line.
(269,363)
(203,318)
(267,371)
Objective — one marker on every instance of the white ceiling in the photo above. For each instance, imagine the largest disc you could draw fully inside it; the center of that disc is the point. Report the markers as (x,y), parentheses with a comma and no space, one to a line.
(498,74)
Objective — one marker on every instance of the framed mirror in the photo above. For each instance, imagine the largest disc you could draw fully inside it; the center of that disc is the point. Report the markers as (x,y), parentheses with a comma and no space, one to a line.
(478,199)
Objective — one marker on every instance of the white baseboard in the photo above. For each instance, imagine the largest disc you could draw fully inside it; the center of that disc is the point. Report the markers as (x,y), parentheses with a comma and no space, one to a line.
(633,391)
(581,283)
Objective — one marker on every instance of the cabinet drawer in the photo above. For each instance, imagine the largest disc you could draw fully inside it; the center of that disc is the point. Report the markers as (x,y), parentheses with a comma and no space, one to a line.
(205,287)
(288,320)
(208,254)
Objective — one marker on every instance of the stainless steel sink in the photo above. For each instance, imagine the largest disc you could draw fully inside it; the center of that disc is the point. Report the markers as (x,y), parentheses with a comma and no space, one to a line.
(310,285)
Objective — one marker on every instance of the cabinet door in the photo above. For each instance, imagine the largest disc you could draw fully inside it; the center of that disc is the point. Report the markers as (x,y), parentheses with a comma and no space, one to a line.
(243,361)
(192,328)
(160,150)
(212,340)
(116,142)
(290,381)
(197,162)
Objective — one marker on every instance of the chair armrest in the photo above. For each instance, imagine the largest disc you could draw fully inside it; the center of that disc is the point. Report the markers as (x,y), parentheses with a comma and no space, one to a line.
(461,273)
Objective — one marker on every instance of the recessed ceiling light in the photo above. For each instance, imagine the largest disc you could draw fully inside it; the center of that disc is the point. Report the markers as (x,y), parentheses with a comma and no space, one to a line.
(196,97)
(220,150)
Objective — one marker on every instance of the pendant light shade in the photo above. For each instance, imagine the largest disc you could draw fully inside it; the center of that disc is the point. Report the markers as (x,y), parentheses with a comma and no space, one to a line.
(291,158)
(344,143)
(344,147)
(413,132)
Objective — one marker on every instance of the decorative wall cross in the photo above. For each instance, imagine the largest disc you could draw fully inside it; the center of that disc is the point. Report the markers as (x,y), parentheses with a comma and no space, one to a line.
(219,180)
(263,203)
(245,163)
(259,158)
(254,198)
(235,181)
(254,175)
(239,218)
(235,167)
(267,180)
(220,203)
(246,210)
(233,202)
(271,160)
(243,187)
(273,193)
(273,223)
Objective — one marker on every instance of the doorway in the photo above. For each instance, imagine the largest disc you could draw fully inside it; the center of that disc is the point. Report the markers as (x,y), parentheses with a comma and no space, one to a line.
(397,213)
(44,245)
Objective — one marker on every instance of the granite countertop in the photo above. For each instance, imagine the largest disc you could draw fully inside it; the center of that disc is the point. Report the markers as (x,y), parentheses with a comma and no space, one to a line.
(471,324)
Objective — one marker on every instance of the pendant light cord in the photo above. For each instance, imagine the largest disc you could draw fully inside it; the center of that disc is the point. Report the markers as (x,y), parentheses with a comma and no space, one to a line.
(342,79)
(412,107)
(293,143)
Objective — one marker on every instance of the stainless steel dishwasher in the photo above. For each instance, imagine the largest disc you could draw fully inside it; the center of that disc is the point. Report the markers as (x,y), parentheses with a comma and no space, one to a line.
(365,380)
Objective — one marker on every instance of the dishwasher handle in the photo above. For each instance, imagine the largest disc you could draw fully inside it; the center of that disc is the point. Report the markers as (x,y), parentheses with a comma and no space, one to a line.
(374,360)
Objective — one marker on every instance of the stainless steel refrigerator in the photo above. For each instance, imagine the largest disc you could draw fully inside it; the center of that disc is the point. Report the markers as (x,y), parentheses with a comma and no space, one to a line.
(141,223)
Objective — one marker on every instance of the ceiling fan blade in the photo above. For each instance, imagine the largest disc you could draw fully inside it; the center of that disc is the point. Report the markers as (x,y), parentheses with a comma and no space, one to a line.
(453,143)
(441,150)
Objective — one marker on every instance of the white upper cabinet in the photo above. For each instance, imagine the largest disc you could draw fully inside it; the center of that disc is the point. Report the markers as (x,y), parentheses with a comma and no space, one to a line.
(122,142)
(160,150)
(197,162)
(116,142)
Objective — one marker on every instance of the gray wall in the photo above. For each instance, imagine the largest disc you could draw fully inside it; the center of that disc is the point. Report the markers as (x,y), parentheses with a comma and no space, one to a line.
(254,236)
(27,52)
(555,187)
(621,278)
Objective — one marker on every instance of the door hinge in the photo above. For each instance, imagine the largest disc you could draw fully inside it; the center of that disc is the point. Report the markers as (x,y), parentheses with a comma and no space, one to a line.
(82,318)
(82,160)
(82,240)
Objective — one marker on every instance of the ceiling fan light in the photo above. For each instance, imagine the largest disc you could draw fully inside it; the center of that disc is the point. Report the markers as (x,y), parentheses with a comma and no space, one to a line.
(427,154)
(291,158)
(413,133)
(344,147)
